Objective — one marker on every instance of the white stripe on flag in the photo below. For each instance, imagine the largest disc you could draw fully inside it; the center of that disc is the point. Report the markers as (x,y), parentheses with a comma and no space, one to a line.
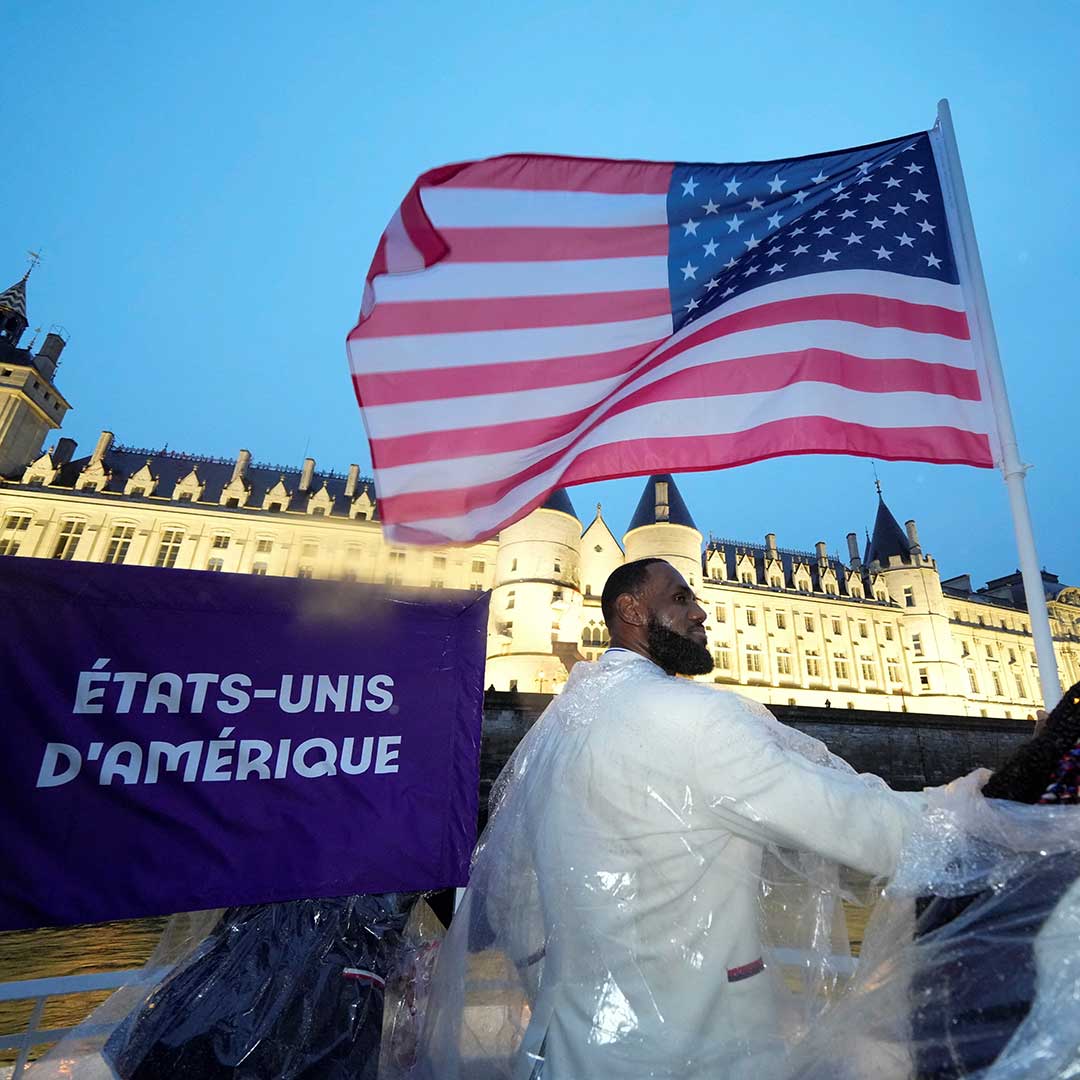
(471,208)
(476,281)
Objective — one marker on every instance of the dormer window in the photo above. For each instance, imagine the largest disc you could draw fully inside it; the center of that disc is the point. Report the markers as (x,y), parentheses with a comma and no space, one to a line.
(185,496)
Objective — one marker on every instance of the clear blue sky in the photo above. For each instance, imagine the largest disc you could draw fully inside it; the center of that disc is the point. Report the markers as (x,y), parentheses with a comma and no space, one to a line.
(208,182)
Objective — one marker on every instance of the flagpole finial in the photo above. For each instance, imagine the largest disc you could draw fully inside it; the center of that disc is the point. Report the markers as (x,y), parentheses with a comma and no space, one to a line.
(877,482)
(35,258)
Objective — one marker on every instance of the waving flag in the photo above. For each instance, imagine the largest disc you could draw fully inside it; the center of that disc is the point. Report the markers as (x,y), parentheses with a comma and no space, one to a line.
(530,322)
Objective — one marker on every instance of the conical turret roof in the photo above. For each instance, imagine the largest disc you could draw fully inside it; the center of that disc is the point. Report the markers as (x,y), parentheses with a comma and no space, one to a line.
(661,505)
(13,299)
(558,500)
(888,538)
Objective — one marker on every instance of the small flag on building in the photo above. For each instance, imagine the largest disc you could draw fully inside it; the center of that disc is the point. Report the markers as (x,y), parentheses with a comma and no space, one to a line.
(530,322)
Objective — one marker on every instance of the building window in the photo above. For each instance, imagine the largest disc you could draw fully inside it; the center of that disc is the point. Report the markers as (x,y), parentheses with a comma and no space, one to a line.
(221,540)
(476,587)
(311,549)
(274,508)
(964,650)
(510,600)
(998,691)
(808,622)
(216,564)
(1012,656)
(185,496)
(232,504)
(436,583)
(119,543)
(990,651)
(888,632)
(259,569)
(722,656)
(830,589)
(264,546)
(438,563)
(881,596)
(513,565)
(836,627)
(868,669)
(804,585)
(840,665)
(478,566)
(721,613)
(556,596)
(16,523)
(973,681)
(751,617)
(588,590)
(916,644)
(169,548)
(783,662)
(1021,690)
(781,621)
(746,577)
(892,669)
(909,596)
(813,665)
(924,678)
(37,481)
(558,566)
(88,485)
(137,492)
(776,582)
(9,545)
(68,540)
(856,591)
(305,571)
(863,631)
(753,659)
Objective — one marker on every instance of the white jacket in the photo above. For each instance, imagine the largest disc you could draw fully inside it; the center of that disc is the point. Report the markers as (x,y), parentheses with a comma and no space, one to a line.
(648,834)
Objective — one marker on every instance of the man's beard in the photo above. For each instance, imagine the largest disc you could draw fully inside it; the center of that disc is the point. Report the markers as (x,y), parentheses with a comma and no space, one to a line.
(675,653)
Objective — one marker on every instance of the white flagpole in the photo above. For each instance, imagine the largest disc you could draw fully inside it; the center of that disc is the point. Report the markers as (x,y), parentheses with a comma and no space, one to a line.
(977,301)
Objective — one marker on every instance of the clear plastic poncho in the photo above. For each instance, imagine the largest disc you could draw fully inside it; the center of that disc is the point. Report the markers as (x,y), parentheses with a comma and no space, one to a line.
(657,891)
(971,963)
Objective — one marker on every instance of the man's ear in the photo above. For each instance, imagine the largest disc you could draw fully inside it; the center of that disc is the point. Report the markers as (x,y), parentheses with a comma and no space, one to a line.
(630,609)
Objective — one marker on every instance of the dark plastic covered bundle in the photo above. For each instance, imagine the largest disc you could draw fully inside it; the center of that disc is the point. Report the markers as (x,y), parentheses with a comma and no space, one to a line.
(290,991)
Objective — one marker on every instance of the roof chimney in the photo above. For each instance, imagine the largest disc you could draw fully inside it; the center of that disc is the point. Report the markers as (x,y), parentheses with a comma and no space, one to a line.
(105,441)
(63,452)
(770,545)
(350,481)
(822,554)
(913,537)
(853,551)
(307,474)
(243,460)
(49,354)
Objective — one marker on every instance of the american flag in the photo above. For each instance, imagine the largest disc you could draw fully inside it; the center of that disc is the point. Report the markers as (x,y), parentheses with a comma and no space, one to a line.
(530,322)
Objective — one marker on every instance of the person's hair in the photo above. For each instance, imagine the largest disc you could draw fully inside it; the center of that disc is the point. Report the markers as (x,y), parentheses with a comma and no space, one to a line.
(628,578)
(1030,768)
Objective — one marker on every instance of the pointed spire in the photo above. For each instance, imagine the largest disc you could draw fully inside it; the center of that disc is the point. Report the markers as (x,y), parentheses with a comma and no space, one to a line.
(888,539)
(13,300)
(661,503)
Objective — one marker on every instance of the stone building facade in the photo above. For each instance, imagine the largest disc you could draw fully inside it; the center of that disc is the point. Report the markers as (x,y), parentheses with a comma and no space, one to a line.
(880,630)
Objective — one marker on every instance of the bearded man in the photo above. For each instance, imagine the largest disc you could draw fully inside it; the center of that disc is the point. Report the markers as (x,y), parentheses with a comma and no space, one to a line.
(620,876)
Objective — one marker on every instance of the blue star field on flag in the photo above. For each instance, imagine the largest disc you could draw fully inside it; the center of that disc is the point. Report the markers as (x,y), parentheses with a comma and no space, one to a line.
(735,227)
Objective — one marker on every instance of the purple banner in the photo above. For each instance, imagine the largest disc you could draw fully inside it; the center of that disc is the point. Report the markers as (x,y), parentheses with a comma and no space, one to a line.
(175,740)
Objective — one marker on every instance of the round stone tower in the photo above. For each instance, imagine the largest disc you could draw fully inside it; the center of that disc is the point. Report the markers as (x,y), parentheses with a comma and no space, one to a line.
(536,600)
(663,528)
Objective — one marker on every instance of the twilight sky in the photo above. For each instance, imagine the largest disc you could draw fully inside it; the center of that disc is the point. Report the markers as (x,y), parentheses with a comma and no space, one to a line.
(207,183)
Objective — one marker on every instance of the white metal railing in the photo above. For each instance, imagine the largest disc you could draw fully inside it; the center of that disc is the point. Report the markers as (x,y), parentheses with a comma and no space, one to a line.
(40,990)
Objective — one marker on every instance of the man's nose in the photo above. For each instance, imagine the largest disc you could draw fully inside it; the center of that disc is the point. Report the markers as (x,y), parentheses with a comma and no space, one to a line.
(698,614)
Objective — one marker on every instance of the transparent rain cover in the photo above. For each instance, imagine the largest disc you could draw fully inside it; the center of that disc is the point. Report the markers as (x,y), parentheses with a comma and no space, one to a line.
(657,891)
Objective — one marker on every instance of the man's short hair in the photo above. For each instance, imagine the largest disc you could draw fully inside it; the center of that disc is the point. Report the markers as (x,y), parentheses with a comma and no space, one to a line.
(628,578)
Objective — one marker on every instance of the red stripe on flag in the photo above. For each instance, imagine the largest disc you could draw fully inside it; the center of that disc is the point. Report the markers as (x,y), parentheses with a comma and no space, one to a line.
(535,244)
(749,375)
(390,319)
(439,384)
(540,173)
(641,457)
